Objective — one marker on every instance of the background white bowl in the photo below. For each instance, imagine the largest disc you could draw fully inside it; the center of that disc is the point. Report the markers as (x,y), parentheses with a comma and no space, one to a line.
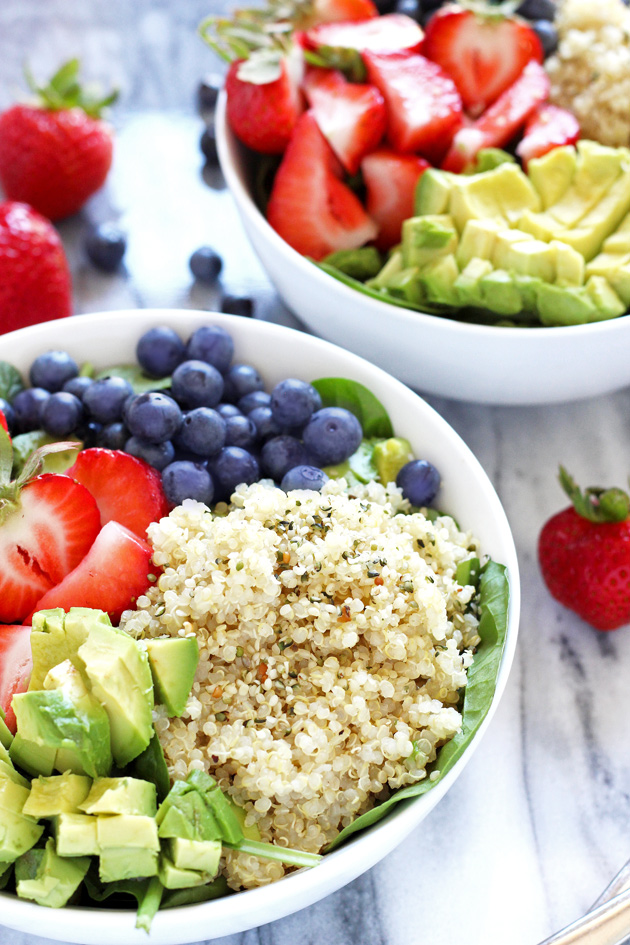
(278,352)
(435,355)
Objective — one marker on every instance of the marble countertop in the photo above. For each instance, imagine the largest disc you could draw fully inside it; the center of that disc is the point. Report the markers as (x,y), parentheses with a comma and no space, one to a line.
(537,824)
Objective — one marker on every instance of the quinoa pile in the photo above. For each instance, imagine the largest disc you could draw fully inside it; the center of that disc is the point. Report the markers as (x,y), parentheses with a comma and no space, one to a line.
(590,73)
(334,643)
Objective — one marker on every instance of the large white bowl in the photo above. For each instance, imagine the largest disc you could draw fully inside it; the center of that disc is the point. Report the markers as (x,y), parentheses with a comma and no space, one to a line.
(435,355)
(467,493)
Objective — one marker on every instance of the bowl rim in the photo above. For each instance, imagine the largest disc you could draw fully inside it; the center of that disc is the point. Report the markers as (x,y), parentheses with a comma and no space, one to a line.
(229,147)
(358,853)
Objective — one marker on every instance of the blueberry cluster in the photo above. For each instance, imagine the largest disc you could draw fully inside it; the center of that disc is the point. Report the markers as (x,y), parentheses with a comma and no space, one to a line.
(215,427)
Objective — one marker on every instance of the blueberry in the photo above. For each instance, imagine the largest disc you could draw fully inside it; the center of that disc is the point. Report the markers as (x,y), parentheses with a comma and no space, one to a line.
(61,414)
(237,305)
(228,410)
(27,407)
(185,480)
(293,402)
(158,455)
(233,466)
(263,420)
(52,369)
(153,417)
(212,344)
(78,386)
(208,91)
(240,431)
(203,431)
(257,398)
(9,413)
(197,384)
(537,9)
(205,264)
(411,8)
(418,481)
(159,351)
(242,379)
(89,432)
(208,146)
(105,246)
(304,477)
(105,398)
(332,435)
(547,34)
(281,454)
(113,436)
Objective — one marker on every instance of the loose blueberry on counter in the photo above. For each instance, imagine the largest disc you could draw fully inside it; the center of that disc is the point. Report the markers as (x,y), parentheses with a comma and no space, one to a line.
(232,466)
(113,436)
(547,34)
(159,351)
(304,477)
(257,398)
(293,402)
(208,146)
(27,407)
(9,414)
(212,344)
(281,454)
(242,379)
(105,246)
(197,384)
(240,431)
(332,435)
(105,398)
(419,481)
(52,369)
(153,417)
(185,480)
(203,432)
(208,91)
(78,386)
(158,455)
(237,305)
(537,9)
(61,414)
(205,264)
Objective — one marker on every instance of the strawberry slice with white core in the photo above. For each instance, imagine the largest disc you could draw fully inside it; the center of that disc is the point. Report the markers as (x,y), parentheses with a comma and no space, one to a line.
(309,206)
(351,116)
(483,53)
(127,490)
(113,574)
(16,664)
(389,33)
(390,181)
(333,11)
(498,126)
(424,107)
(547,128)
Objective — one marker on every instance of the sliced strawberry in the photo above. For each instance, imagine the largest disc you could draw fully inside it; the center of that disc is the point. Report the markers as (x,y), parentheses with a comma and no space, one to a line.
(390,181)
(351,116)
(333,11)
(42,538)
(502,121)
(113,574)
(483,54)
(263,116)
(3,422)
(309,206)
(127,490)
(424,107)
(16,664)
(547,128)
(389,33)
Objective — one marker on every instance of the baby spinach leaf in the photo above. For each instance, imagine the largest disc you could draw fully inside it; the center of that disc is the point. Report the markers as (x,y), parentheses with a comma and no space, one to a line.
(478,694)
(140,381)
(185,897)
(369,411)
(11,382)
(146,892)
(382,295)
(151,766)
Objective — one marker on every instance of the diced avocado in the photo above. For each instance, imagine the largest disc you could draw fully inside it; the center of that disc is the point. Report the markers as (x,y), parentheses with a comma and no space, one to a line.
(5,735)
(18,832)
(186,814)
(172,877)
(568,264)
(528,288)
(250,831)
(530,258)
(76,835)
(362,263)
(391,268)
(620,281)
(4,752)
(173,662)
(219,803)
(503,243)
(6,870)
(489,158)
(552,173)
(619,241)
(425,237)
(125,862)
(49,879)
(151,766)
(120,678)
(26,443)
(467,286)
(501,194)
(559,305)
(200,855)
(500,294)
(390,456)
(540,225)
(13,796)
(8,772)
(438,280)
(598,167)
(433,192)
(607,302)
(56,636)
(405,285)
(133,830)
(605,264)
(32,757)
(477,241)
(120,796)
(602,220)
(61,794)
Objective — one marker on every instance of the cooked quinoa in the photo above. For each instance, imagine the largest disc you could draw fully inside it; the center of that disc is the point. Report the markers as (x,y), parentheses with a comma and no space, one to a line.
(590,73)
(334,643)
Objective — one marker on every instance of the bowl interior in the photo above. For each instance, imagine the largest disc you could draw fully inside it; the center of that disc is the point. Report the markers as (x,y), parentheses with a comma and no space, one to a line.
(467,493)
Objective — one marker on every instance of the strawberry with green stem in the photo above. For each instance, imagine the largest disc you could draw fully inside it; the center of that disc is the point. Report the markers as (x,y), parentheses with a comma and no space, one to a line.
(584,554)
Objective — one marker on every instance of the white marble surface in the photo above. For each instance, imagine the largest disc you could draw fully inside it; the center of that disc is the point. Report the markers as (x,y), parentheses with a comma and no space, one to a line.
(539,821)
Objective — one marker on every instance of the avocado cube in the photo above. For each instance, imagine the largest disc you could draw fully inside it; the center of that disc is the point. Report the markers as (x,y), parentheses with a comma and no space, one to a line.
(6,736)
(76,835)
(569,305)
(619,241)
(530,258)
(607,302)
(250,831)
(598,167)
(502,194)
(466,286)
(503,243)
(187,815)
(173,662)
(405,285)
(361,263)
(433,192)
(540,225)
(390,456)
(17,834)
(200,855)
(172,877)
(438,281)
(220,805)
(569,264)
(527,287)
(13,796)
(499,293)
(477,241)
(5,874)
(552,173)
(120,796)
(33,758)
(426,238)
(56,636)
(126,862)
(391,268)
(8,772)
(620,281)
(134,830)
(60,794)
(55,879)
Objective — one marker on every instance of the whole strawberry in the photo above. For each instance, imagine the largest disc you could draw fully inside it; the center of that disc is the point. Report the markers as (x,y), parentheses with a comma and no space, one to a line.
(34,277)
(56,153)
(584,554)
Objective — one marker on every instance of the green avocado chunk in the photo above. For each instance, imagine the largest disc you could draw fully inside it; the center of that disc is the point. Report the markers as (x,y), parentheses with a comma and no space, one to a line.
(120,796)
(60,794)
(31,757)
(56,636)
(361,263)
(75,835)
(47,878)
(390,456)
(18,832)
(174,877)
(173,662)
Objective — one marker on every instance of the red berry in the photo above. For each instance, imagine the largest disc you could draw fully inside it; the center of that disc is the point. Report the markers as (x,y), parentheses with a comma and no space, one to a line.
(263,116)
(390,181)
(16,664)
(547,128)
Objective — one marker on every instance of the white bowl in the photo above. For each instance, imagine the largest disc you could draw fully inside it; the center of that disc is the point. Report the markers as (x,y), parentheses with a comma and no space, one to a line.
(467,493)
(435,355)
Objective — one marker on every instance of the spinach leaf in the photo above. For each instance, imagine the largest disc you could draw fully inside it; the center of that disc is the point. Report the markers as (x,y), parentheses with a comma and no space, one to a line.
(151,766)
(369,411)
(146,892)
(185,897)
(381,294)
(11,382)
(482,679)
(140,381)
